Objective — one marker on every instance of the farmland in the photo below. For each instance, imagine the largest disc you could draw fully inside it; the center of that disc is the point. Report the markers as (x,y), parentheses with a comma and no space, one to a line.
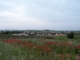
(39,48)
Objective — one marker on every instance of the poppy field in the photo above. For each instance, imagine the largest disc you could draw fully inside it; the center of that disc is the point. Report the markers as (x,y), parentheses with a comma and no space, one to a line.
(39,49)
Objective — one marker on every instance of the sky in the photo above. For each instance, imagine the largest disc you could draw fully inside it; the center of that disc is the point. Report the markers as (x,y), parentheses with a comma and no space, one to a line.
(40,14)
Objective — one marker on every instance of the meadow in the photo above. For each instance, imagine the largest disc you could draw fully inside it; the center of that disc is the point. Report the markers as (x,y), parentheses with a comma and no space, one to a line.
(39,48)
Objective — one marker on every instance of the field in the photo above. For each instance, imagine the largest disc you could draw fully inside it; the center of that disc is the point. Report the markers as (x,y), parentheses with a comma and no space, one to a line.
(39,48)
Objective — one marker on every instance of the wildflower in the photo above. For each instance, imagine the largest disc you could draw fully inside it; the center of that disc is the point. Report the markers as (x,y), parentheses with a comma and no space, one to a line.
(46,49)
(78,46)
(18,41)
(78,59)
(61,56)
(51,43)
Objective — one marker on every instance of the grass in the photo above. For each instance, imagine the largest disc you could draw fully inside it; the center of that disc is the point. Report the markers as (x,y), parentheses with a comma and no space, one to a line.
(10,52)
(19,52)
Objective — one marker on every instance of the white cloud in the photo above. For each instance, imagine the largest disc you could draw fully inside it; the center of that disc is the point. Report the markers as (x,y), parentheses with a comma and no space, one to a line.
(37,14)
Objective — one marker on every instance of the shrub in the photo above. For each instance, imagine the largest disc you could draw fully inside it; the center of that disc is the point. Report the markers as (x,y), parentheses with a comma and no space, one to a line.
(70,35)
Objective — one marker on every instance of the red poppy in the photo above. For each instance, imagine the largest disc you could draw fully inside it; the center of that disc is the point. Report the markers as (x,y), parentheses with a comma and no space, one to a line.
(78,46)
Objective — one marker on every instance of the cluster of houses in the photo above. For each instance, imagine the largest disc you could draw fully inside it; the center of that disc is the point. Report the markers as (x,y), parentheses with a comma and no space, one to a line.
(37,32)
(42,33)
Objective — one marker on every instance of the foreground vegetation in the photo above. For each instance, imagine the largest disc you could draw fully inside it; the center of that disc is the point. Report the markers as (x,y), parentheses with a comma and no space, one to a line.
(22,48)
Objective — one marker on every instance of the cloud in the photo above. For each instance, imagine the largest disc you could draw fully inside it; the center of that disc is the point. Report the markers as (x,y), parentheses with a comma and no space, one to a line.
(39,14)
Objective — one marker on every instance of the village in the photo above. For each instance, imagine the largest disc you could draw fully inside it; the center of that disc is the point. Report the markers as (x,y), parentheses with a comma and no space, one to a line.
(43,33)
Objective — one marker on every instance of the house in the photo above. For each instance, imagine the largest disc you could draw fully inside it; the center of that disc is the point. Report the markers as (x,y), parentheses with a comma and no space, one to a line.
(31,33)
(21,34)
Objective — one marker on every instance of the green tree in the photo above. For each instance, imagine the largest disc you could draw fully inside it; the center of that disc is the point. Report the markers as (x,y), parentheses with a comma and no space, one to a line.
(70,35)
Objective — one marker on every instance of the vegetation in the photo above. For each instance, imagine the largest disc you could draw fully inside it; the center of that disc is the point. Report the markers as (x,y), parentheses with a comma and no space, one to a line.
(39,47)
(70,35)
(21,48)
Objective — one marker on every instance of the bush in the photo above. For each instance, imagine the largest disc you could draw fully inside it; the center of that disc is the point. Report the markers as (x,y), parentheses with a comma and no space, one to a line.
(70,35)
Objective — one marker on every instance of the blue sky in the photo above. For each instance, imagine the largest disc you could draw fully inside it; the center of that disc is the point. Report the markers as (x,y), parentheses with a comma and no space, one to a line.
(40,14)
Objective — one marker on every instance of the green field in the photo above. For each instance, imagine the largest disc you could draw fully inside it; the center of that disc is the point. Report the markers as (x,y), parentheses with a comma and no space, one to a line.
(39,48)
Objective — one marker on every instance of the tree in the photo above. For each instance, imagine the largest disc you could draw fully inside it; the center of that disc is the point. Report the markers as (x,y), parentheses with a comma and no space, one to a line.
(7,33)
(70,35)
